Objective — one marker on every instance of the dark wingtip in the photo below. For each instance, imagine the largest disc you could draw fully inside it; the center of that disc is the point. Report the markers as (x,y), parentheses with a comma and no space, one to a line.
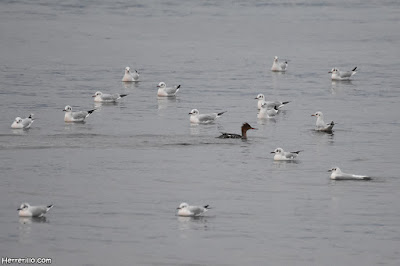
(354,69)
(276,108)
(91,111)
(297,152)
(222,113)
(123,95)
(286,102)
(50,206)
(207,207)
(178,86)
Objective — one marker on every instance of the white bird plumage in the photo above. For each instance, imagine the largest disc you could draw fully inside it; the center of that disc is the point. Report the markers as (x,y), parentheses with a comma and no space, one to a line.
(281,155)
(26,210)
(337,174)
(197,118)
(279,66)
(320,125)
(22,123)
(185,209)
(78,116)
(267,112)
(129,77)
(270,104)
(165,91)
(107,98)
(342,75)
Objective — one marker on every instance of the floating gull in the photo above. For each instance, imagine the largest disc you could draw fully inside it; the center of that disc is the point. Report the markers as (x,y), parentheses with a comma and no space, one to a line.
(185,210)
(23,123)
(165,91)
(267,113)
(337,174)
(27,210)
(270,105)
(129,77)
(342,75)
(197,118)
(78,116)
(107,98)
(279,66)
(281,155)
(320,125)
(245,127)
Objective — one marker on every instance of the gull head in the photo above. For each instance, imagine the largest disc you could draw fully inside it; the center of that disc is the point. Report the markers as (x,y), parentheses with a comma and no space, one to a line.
(264,105)
(277,151)
(260,97)
(18,120)
(127,69)
(67,108)
(23,206)
(182,206)
(317,114)
(161,85)
(98,93)
(334,70)
(194,112)
(335,170)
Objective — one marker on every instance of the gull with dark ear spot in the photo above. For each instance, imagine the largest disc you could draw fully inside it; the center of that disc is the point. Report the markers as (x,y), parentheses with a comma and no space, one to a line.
(129,77)
(164,91)
(279,66)
(78,116)
(22,123)
(320,125)
(281,155)
(26,210)
(197,118)
(337,174)
(185,209)
(107,98)
(342,75)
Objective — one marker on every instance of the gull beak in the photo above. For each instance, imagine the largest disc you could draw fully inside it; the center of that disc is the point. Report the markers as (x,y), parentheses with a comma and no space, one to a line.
(272,152)
(93,95)
(256,98)
(330,170)
(330,72)
(190,113)
(64,110)
(19,209)
(312,115)
(178,208)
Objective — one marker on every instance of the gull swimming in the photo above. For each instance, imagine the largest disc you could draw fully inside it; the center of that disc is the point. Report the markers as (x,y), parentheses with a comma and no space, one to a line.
(185,210)
(337,174)
(279,66)
(107,98)
(23,123)
(78,116)
(26,210)
(267,113)
(245,127)
(342,75)
(270,105)
(320,125)
(165,91)
(197,118)
(281,155)
(129,77)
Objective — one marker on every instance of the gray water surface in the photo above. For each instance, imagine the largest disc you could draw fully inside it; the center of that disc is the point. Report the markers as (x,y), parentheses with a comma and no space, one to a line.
(116,180)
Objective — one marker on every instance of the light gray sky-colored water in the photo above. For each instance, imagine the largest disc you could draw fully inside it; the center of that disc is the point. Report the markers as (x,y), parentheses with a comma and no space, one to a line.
(116,180)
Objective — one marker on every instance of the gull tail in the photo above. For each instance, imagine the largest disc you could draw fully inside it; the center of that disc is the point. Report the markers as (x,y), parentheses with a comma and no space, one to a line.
(219,114)
(90,112)
(297,152)
(49,207)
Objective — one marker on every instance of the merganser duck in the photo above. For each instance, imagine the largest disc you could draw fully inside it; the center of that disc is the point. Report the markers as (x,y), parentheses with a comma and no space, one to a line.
(337,174)
(279,66)
(107,98)
(185,210)
(342,75)
(245,127)
(27,210)
(23,123)
(78,116)
(320,125)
